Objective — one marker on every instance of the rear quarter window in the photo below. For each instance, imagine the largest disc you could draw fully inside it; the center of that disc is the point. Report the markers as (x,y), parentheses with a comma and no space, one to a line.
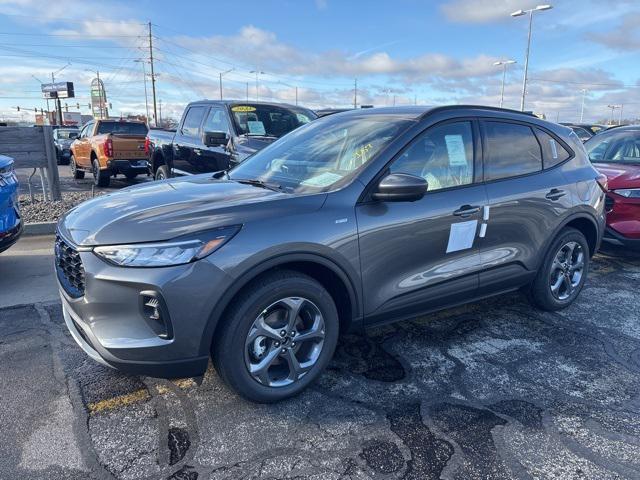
(553,152)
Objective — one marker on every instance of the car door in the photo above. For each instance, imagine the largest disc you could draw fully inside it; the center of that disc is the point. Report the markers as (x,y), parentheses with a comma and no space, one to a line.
(526,201)
(83,147)
(215,158)
(187,144)
(422,255)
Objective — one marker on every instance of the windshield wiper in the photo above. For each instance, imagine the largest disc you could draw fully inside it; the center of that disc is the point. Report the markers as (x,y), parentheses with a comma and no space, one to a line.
(259,183)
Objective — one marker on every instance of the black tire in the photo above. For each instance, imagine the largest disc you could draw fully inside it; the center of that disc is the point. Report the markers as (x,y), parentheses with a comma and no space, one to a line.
(162,173)
(229,348)
(77,174)
(541,293)
(101,178)
(130,175)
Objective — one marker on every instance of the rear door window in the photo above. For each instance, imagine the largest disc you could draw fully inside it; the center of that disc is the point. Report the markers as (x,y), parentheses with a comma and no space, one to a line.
(191,125)
(511,150)
(552,150)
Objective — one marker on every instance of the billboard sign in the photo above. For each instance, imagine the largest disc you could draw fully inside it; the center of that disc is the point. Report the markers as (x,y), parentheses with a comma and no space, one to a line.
(58,90)
(71,118)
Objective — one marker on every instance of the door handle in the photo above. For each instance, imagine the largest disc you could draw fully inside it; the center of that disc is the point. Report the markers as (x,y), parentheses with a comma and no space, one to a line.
(555,194)
(467,211)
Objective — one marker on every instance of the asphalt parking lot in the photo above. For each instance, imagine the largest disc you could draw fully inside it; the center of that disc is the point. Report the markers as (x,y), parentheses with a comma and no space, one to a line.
(490,390)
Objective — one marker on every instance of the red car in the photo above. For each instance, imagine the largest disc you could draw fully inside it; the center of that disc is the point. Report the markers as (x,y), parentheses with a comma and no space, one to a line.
(616,153)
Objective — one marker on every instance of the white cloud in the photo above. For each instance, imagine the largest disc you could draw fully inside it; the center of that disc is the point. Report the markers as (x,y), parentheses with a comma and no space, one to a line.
(483,11)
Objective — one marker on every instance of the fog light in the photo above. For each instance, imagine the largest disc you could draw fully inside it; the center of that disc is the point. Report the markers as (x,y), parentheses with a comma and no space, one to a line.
(155,313)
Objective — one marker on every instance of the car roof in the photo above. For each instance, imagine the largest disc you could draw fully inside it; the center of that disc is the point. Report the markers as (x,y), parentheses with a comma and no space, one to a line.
(246,102)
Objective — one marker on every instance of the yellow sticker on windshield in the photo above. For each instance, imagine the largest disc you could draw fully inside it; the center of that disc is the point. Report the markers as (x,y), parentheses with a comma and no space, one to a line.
(362,151)
(243,108)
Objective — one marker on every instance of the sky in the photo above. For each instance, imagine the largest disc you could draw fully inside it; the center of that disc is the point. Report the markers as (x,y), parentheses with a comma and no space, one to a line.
(401,51)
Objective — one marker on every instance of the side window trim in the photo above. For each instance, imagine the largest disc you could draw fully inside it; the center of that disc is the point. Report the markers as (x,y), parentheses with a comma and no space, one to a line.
(483,121)
(222,111)
(365,197)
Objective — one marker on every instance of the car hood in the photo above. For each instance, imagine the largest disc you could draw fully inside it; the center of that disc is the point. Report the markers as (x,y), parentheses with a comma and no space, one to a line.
(246,146)
(163,210)
(620,175)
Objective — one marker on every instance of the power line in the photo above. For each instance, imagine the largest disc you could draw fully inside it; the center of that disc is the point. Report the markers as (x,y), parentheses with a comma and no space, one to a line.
(84,35)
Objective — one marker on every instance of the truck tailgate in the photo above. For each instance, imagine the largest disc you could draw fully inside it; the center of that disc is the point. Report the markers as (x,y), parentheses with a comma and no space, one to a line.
(128,147)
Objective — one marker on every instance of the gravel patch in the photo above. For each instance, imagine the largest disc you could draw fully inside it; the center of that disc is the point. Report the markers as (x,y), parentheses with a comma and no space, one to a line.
(41,211)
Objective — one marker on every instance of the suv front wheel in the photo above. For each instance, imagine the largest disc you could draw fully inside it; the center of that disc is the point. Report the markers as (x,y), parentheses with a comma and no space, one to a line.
(278,337)
(563,272)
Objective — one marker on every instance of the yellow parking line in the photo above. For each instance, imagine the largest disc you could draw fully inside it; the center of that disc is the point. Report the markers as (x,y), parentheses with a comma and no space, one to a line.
(136,397)
(119,401)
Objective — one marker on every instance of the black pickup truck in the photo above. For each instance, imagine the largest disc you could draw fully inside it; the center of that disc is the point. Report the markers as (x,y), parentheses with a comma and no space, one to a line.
(215,134)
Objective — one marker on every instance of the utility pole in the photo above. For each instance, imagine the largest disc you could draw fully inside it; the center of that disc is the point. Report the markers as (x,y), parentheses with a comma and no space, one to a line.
(160,113)
(153,77)
(355,93)
(584,93)
(620,118)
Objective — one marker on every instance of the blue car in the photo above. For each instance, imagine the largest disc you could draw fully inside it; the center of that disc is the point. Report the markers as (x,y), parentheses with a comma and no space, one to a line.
(10,221)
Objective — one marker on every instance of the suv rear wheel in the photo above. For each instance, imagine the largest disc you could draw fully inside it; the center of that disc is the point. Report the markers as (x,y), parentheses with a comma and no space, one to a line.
(101,178)
(278,337)
(563,272)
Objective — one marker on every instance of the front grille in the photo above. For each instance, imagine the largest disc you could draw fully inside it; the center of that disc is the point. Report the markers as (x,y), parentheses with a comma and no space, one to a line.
(69,268)
(608,203)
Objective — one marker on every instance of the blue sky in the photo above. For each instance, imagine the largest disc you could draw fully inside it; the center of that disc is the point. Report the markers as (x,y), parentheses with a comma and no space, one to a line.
(404,51)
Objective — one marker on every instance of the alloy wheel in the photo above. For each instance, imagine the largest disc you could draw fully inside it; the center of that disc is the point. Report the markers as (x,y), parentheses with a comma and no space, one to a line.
(566,270)
(284,342)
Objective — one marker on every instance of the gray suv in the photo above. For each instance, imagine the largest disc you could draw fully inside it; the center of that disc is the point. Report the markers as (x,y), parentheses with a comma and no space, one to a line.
(355,219)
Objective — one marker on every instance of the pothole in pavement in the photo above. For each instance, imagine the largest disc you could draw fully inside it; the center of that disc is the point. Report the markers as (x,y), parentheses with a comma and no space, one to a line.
(429,454)
(179,443)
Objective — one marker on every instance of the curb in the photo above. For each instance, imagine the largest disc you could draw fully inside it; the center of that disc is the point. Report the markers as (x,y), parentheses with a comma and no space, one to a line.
(41,228)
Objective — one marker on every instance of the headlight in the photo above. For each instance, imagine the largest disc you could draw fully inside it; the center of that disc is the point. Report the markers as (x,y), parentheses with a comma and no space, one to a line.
(178,251)
(628,192)
(7,175)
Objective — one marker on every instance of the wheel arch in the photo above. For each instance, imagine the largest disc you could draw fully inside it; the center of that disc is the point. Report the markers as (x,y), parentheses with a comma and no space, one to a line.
(583,222)
(330,275)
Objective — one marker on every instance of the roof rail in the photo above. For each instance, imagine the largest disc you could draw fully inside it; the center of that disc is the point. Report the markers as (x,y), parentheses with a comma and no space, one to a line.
(482,107)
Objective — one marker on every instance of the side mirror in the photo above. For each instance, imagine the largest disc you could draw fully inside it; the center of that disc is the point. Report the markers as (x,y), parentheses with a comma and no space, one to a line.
(215,139)
(400,187)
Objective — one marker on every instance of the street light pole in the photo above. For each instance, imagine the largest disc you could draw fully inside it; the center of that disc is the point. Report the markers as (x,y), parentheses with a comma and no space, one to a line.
(504,64)
(257,72)
(519,13)
(584,94)
(221,75)
(144,73)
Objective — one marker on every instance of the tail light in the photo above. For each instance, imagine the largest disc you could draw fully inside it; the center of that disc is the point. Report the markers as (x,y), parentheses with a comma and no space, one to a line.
(603,182)
(107,147)
(146,145)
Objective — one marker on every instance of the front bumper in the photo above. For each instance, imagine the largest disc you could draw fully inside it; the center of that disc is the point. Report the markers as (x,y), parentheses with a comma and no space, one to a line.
(615,238)
(109,323)
(11,236)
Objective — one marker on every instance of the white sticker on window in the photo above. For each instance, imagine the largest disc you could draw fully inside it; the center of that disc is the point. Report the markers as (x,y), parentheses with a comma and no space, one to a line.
(554,149)
(256,127)
(456,150)
(461,235)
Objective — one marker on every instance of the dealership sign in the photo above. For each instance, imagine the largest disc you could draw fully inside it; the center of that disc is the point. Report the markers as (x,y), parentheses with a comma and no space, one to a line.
(58,90)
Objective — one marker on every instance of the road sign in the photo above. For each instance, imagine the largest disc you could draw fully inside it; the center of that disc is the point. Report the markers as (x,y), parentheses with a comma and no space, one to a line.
(58,90)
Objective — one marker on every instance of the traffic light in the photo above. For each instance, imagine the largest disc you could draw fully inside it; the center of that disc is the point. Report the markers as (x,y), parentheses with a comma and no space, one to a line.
(18,108)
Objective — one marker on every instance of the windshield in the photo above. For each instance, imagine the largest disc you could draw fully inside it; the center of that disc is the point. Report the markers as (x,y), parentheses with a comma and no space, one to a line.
(621,147)
(268,120)
(67,134)
(322,154)
(124,128)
